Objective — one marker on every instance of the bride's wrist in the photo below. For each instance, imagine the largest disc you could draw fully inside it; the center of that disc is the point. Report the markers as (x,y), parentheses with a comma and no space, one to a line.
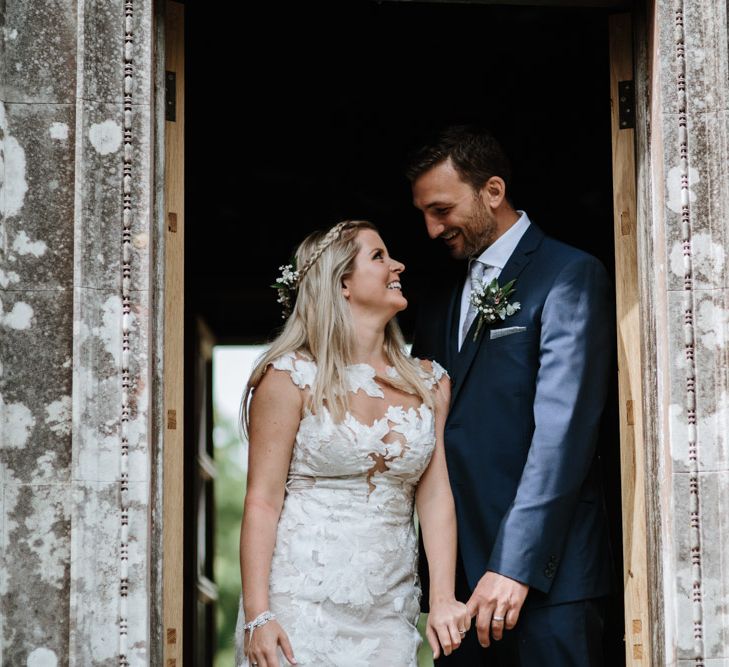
(255,610)
(436,598)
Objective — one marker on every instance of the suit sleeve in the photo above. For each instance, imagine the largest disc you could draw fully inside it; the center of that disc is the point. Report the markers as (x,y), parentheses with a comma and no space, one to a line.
(574,361)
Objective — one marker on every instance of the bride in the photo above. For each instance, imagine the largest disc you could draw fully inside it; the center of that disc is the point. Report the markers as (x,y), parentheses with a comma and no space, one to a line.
(345,438)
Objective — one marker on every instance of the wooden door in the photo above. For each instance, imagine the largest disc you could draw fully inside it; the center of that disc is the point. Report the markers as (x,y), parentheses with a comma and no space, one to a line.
(632,445)
(201,593)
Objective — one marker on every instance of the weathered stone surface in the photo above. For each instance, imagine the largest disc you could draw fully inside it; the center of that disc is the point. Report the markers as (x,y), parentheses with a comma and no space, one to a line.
(35,385)
(691,167)
(97,373)
(707,58)
(97,573)
(100,219)
(140,420)
(713,530)
(708,199)
(138,603)
(34,590)
(679,573)
(104,24)
(141,197)
(715,540)
(711,350)
(40,51)
(63,412)
(39,196)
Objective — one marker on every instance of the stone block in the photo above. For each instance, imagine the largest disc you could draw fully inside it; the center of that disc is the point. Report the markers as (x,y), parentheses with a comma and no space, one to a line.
(100,219)
(708,199)
(711,393)
(36,329)
(707,58)
(97,379)
(40,51)
(38,194)
(104,26)
(36,528)
(701,634)
(98,569)
(714,489)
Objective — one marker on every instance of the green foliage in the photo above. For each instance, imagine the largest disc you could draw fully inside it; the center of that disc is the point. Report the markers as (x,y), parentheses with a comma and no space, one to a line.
(230,485)
(425,655)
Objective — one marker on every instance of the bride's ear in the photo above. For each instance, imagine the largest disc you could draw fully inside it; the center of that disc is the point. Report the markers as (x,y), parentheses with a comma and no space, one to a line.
(345,288)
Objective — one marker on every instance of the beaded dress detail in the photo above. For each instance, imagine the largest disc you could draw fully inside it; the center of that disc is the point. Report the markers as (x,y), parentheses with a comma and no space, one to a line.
(344,583)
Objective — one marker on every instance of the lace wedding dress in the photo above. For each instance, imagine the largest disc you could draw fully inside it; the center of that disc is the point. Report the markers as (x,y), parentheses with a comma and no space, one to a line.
(344,582)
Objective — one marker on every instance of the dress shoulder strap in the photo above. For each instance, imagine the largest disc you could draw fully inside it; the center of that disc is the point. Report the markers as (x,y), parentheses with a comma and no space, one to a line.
(433,375)
(301,370)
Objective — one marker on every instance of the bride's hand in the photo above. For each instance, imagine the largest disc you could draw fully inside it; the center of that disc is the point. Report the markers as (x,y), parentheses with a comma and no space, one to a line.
(262,648)
(448,622)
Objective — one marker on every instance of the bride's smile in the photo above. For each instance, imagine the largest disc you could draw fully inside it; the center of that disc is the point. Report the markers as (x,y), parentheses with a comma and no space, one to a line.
(374,286)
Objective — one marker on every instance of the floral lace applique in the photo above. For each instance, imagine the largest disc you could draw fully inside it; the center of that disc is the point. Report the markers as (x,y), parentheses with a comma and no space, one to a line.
(431,377)
(343,580)
(303,371)
(362,376)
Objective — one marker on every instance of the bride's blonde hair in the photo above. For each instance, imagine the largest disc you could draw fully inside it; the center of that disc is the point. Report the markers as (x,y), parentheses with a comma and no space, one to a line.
(320,325)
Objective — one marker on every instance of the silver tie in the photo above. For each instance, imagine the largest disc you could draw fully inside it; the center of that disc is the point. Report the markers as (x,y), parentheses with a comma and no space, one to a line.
(477,271)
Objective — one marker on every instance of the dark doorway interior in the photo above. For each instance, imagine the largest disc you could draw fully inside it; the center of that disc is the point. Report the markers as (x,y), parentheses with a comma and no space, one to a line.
(300,115)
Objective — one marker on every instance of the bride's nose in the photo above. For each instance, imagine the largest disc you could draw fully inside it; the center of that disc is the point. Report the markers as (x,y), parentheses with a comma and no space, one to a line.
(397,267)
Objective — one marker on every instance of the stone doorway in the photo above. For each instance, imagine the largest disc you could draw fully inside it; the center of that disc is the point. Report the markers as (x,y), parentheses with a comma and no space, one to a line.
(326,135)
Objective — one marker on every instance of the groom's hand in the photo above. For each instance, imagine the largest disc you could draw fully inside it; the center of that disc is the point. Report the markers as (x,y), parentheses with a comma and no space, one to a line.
(496,602)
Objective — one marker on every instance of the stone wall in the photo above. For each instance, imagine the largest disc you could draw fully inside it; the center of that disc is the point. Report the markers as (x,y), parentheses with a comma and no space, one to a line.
(686,281)
(75,176)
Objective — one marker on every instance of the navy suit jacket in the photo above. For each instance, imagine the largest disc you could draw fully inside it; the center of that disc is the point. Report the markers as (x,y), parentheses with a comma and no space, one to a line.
(522,430)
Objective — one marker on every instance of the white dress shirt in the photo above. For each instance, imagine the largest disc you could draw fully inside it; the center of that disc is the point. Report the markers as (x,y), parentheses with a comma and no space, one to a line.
(495,257)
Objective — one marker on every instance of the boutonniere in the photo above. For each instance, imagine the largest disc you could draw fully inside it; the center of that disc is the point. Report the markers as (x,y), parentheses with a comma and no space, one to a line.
(492,303)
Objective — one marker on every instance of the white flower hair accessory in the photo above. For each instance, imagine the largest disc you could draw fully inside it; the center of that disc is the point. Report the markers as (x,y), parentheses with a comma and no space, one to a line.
(492,303)
(285,286)
(291,276)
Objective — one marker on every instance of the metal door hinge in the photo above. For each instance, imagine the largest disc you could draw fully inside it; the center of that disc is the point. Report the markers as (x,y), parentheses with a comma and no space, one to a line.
(171,96)
(626,105)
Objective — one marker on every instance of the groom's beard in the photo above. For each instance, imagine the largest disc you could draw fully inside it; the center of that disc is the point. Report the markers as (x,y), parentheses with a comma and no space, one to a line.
(478,231)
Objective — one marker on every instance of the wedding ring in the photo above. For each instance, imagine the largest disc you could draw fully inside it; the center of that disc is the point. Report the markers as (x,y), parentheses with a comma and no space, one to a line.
(498,619)
(463,632)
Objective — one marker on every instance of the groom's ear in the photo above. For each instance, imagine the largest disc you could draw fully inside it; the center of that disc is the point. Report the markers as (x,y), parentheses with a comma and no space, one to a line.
(494,192)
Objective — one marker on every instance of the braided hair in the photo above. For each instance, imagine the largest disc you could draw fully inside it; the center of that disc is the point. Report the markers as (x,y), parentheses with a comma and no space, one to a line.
(330,237)
(320,325)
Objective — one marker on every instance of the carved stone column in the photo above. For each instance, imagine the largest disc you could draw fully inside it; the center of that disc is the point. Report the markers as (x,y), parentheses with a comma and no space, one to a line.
(75,184)
(686,280)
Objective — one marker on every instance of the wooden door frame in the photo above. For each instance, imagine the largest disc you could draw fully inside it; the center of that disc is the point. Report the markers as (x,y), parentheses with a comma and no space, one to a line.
(633,251)
(629,343)
(173,224)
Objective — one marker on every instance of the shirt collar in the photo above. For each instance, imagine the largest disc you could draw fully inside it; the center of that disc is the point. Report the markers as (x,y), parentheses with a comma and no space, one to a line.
(498,253)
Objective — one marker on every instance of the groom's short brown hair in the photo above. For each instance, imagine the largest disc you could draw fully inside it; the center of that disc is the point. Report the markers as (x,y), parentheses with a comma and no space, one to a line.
(474,151)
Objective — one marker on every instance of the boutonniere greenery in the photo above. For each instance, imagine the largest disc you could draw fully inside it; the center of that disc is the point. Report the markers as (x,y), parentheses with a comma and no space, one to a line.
(492,303)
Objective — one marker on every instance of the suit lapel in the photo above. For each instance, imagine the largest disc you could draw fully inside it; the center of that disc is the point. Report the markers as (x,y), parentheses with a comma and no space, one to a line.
(513,268)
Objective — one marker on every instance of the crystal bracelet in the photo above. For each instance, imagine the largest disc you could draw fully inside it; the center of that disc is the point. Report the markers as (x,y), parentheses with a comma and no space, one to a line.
(257,622)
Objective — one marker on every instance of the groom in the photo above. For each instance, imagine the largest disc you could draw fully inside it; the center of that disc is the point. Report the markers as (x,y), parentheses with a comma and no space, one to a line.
(527,395)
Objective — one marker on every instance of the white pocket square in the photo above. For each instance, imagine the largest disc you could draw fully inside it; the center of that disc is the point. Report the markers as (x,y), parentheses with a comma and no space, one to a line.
(505,331)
